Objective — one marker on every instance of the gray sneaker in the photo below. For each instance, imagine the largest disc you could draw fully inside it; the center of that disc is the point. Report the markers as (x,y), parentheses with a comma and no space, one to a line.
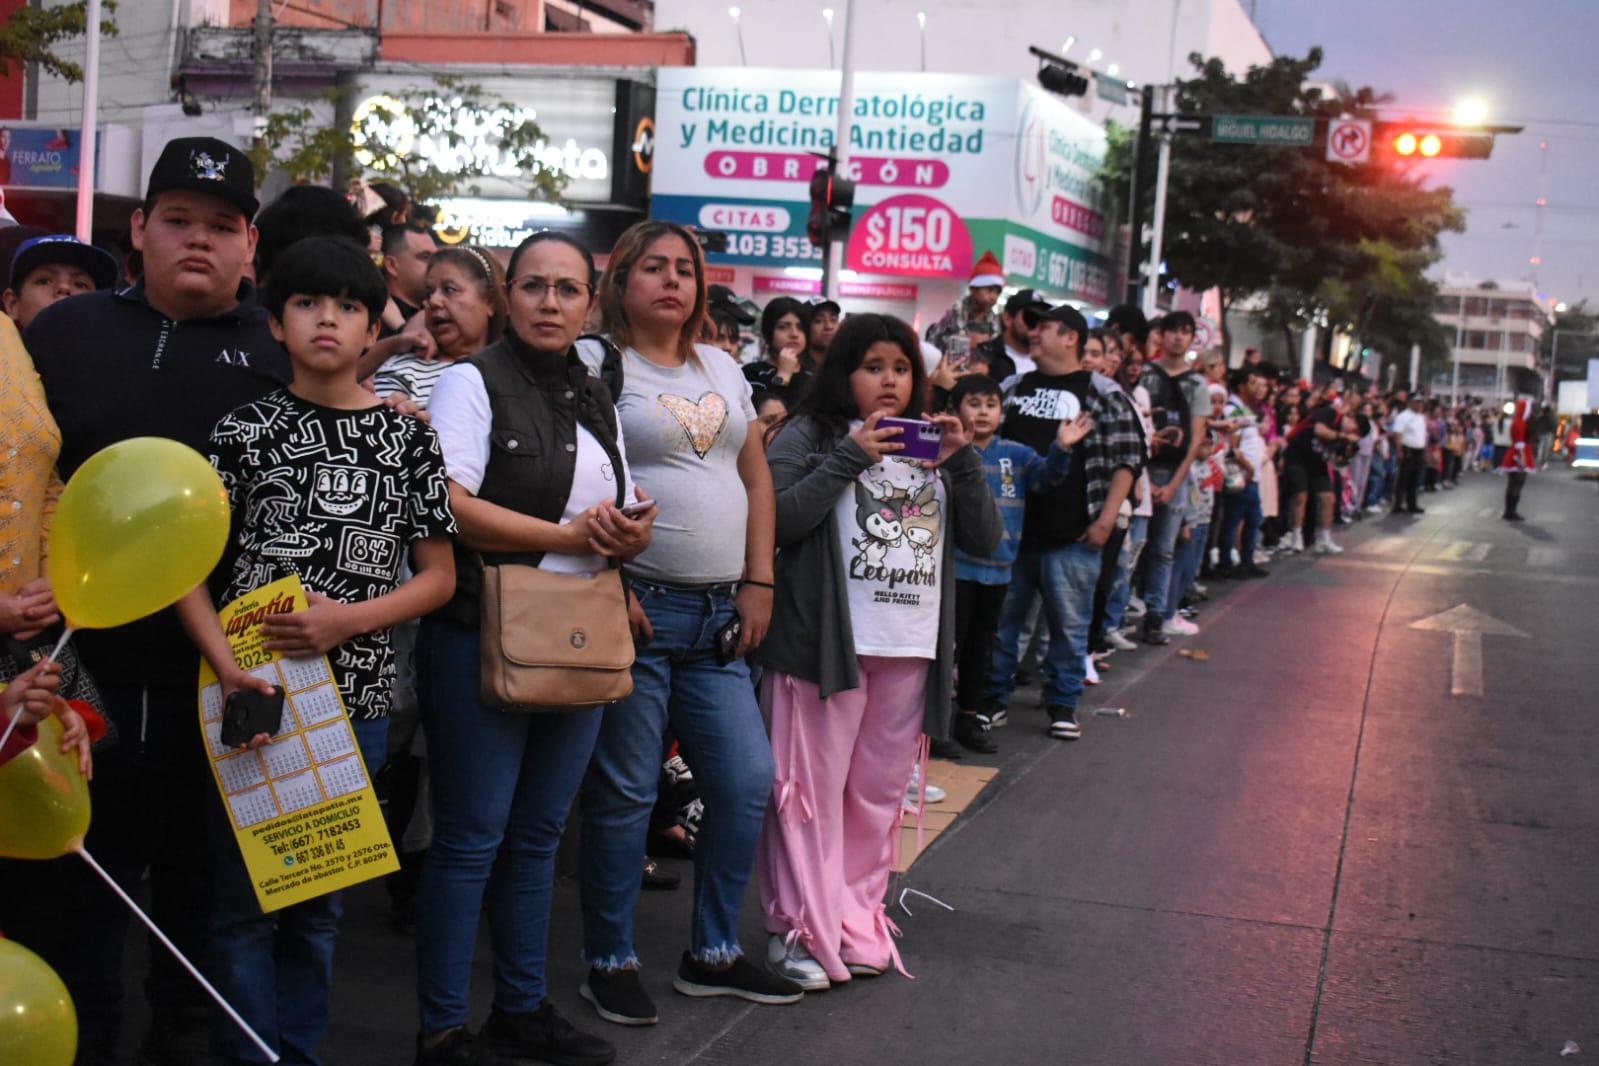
(796,964)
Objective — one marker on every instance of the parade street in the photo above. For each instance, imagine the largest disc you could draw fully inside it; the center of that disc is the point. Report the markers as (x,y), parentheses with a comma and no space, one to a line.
(1304,848)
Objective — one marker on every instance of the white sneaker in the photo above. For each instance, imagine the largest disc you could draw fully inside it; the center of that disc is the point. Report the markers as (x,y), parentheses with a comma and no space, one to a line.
(914,790)
(1261,557)
(1376,508)
(796,964)
(1115,639)
(1327,547)
(1135,607)
(1090,671)
(1178,626)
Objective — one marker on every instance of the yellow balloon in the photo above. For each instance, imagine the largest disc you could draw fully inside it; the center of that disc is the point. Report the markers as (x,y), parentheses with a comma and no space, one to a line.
(38,1025)
(44,802)
(140,524)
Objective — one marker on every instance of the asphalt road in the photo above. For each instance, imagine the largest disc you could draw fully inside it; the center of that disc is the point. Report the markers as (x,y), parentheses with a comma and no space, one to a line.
(1303,849)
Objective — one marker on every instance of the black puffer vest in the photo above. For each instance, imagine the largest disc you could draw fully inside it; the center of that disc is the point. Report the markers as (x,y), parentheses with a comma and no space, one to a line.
(537,400)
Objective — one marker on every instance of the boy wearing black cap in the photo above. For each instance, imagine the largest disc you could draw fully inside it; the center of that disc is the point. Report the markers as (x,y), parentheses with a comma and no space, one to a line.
(51,268)
(825,315)
(167,357)
(1065,526)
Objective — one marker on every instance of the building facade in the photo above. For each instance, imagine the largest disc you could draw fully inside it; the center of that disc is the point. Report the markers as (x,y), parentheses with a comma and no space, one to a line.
(1496,330)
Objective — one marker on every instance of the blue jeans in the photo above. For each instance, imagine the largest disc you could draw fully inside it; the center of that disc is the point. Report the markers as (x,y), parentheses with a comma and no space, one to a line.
(1065,577)
(1190,555)
(1164,526)
(712,711)
(1132,548)
(1241,509)
(275,969)
(503,784)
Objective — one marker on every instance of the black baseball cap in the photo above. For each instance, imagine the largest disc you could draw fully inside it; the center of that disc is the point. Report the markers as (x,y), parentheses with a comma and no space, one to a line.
(205,164)
(822,303)
(1024,298)
(63,248)
(721,298)
(1065,314)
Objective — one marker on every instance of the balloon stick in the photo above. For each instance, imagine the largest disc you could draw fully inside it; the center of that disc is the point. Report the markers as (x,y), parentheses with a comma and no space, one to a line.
(170,946)
(66,635)
(12,725)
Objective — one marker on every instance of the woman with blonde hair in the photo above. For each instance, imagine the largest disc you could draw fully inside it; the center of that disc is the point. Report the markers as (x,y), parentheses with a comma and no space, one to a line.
(701,600)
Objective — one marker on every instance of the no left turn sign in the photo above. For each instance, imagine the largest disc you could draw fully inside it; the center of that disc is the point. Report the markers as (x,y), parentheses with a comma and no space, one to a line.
(1348,140)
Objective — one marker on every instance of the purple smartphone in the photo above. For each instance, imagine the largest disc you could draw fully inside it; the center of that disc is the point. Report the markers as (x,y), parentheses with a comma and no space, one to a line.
(921,439)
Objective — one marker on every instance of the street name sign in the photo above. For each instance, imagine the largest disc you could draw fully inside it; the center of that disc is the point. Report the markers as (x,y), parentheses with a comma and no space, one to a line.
(1263,129)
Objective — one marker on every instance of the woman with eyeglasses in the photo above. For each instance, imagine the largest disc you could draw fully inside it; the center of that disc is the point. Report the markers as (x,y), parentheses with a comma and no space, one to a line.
(534,452)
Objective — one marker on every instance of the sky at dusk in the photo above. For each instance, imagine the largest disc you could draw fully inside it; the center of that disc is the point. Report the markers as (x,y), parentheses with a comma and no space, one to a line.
(1534,62)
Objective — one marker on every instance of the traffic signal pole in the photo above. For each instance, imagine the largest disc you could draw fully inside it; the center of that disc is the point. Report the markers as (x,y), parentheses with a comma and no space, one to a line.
(1135,213)
(1162,179)
(833,252)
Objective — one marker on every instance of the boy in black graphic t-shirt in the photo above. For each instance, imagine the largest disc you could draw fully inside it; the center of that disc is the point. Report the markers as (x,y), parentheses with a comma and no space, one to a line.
(326,483)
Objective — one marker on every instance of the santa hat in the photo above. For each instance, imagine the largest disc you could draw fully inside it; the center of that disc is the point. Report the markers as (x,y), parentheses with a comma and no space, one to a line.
(987,272)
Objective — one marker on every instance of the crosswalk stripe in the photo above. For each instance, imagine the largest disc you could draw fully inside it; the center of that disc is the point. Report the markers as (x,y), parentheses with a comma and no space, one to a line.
(1386,545)
(1479,552)
(1551,557)
(1454,550)
(1487,512)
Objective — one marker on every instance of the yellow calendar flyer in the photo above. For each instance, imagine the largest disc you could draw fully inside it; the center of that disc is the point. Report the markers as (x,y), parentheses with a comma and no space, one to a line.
(303,809)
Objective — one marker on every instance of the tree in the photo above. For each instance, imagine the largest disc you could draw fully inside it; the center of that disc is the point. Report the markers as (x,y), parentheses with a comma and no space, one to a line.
(1346,245)
(432,141)
(31,35)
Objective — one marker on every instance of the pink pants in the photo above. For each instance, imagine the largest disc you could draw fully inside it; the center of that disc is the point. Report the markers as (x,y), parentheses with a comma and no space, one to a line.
(828,842)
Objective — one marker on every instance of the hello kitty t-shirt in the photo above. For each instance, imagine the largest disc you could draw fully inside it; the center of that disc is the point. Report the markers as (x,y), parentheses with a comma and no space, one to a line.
(891,525)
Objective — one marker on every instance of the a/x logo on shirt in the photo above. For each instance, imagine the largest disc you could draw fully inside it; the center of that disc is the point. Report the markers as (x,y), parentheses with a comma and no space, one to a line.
(236,357)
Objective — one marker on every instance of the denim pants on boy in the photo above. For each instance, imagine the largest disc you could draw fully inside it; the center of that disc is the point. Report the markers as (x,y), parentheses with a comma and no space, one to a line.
(503,784)
(1065,577)
(1132,548)
(1240,509)
(1190,557)
(1164,527)
(275,969)
(714,715)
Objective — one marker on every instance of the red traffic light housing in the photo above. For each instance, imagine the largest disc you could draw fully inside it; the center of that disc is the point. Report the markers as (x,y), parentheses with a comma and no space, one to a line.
(832,197)
(1412,141)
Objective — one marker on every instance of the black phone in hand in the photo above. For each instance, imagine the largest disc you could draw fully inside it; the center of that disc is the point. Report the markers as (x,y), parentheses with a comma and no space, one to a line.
(249,713)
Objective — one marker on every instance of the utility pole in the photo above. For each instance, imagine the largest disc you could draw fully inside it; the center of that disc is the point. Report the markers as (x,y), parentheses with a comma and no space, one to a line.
(1162,179)
(87,135)
(1135,210)
(1454,372)
(263,67)
(833,254)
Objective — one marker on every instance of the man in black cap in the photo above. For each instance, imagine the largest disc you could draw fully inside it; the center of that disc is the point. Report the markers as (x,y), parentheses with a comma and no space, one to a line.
(50,268)
(1065,526)
(167,357)
(825,315)
(1010,353)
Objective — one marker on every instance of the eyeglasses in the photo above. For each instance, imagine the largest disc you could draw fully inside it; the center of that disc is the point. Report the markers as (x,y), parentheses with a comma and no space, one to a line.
(567,290)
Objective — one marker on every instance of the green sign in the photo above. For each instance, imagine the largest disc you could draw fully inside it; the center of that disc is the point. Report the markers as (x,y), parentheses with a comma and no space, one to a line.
(1263,129)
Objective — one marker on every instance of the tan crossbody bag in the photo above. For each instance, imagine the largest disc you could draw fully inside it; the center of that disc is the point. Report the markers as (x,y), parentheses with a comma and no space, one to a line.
(554,640)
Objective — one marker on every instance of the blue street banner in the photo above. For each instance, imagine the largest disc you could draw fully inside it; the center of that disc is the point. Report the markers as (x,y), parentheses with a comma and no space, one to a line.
(35,158)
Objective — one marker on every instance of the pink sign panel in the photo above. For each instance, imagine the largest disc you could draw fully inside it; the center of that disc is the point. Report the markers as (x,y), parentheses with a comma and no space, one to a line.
(799,166)
(911,235)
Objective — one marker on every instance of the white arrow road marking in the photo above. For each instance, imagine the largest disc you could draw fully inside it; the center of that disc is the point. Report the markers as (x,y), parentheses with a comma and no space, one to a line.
(1468,625)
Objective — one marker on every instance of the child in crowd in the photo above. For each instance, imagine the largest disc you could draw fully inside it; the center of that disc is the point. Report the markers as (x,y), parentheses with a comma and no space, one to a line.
(54,267)
(328,484)
(1012,470)
(860,650)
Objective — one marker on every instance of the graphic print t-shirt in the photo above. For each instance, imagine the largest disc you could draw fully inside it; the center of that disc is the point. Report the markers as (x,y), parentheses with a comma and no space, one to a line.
(684,428)
(891,524)
(1033,413)
(335,497)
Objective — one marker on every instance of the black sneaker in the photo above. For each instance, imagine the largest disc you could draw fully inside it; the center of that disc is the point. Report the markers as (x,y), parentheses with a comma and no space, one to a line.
(659,880)
(1153,633)
(541,1037)
(995,712)
(1063,722)
(971,732)
(619,997)
(1252,572)
(458,1048)
(945,749)
(742,979)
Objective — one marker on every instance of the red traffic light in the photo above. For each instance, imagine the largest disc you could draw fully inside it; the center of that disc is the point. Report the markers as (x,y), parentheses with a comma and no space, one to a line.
(1408,141)
(831,200)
